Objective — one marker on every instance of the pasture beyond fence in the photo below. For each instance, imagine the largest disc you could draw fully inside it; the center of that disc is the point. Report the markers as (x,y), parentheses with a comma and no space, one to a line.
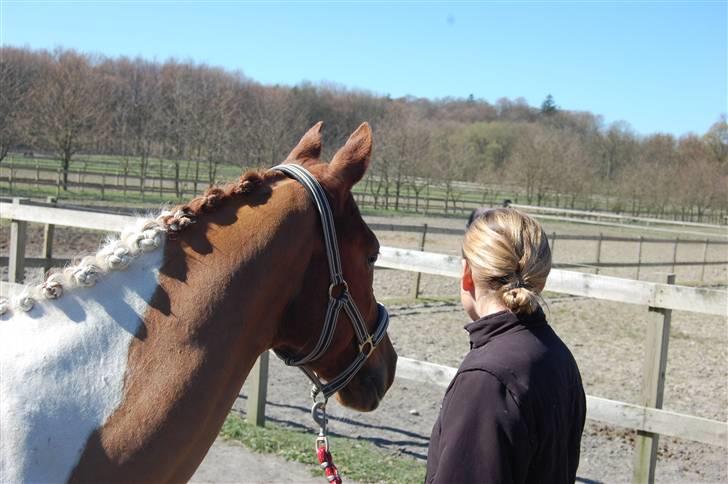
(110,178)
(647,418)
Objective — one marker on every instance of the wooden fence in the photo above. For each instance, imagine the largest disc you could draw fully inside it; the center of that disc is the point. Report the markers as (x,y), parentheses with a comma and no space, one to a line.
(161,180)
(646,417)
(607,219)
(102,218)
(599,243)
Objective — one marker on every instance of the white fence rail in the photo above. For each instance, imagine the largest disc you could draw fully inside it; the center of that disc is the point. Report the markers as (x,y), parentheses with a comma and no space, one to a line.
(614,216)
(612,412)
(665,296)
(616,220)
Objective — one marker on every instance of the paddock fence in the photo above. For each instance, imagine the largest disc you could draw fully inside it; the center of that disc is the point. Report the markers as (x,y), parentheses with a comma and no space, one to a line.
(647,417)
(598,263)
(107,179)
(634,258)
(607,219)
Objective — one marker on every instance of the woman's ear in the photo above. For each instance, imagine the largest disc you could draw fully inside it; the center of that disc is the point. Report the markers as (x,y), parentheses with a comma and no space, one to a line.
(467,292)
(467,279)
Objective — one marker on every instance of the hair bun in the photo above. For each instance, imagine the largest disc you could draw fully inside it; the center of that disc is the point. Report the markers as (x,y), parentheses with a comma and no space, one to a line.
(519,299)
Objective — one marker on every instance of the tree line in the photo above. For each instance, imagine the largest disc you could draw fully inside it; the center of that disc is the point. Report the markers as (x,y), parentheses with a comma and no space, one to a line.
(67,103)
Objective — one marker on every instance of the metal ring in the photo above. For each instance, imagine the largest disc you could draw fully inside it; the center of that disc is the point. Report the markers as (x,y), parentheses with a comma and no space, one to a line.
(371,344)
(344,290)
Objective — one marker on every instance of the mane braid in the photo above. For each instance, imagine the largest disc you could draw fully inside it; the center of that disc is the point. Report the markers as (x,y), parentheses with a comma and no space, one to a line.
(142,237)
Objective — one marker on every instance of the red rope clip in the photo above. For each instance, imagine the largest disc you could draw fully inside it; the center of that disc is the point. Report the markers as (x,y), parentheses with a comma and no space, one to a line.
(326,461)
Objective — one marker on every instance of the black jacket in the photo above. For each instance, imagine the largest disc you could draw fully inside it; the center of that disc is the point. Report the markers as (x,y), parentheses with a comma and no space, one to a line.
(514,411)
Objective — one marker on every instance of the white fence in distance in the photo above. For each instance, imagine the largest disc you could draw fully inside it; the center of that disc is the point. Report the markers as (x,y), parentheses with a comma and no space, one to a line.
(665,296)
(622,221)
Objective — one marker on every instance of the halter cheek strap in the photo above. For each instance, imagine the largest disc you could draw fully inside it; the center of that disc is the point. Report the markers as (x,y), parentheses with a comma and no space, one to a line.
(339,298)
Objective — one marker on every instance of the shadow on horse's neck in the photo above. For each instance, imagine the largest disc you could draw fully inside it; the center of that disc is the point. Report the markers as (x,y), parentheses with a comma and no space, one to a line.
(239,265)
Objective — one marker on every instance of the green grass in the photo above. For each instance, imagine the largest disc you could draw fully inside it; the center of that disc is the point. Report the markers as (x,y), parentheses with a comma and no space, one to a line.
(104,168)
(356,459)
(114,165)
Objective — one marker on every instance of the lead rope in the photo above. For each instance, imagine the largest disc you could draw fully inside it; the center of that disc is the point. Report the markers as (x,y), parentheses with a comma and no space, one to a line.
(323,454)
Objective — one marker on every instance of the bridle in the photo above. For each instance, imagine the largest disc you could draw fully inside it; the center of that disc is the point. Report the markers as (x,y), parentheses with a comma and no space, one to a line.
(339,298)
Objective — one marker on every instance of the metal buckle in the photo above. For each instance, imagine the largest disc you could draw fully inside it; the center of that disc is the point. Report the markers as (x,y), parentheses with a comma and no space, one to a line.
(344,289)
(322,441)
(318,414)
(371,344)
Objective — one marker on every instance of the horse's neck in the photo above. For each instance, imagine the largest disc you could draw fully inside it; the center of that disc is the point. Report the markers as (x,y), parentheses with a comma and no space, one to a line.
(204,329)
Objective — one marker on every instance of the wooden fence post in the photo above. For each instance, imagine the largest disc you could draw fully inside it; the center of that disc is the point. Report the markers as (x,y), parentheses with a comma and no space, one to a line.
(599,252)
(705,259)
(16,264)
(674,253)
(639,257)
(48,230)
(418,276)
(653,386)
(258,377)
(427,199)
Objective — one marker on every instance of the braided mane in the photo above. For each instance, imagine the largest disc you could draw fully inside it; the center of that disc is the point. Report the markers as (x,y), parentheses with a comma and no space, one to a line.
(143,236)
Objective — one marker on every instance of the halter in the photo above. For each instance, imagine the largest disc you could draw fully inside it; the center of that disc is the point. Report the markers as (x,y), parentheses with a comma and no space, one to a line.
(339,298)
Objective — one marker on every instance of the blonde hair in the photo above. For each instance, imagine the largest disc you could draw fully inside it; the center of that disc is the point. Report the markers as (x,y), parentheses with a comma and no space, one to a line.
(508,252)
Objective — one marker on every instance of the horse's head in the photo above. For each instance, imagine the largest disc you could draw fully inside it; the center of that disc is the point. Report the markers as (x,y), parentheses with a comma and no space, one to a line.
(358,247)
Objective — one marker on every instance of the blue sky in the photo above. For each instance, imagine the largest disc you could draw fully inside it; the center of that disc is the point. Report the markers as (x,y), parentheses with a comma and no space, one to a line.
(660,66)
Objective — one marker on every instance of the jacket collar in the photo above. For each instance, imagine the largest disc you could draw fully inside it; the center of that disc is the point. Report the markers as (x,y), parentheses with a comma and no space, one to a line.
(505,322)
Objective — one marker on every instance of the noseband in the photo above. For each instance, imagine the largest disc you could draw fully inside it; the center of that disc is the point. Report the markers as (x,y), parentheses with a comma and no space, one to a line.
(339,298)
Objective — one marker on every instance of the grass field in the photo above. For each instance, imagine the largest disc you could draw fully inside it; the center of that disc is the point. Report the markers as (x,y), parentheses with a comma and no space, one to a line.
(119,179)
(356,459)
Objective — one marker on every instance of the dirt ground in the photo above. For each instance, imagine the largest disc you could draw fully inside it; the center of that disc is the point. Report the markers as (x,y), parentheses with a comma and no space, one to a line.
(606,338)
(231,462)
(607,343)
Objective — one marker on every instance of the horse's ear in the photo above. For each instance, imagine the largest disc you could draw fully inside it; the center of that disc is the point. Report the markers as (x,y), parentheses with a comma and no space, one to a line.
(309,148)
(352,160)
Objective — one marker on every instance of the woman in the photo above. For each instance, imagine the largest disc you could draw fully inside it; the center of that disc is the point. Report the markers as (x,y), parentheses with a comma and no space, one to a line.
(515,410)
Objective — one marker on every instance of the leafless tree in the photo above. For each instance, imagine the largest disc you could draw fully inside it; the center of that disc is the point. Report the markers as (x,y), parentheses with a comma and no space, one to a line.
(67,107)
(197,116)
(17,70)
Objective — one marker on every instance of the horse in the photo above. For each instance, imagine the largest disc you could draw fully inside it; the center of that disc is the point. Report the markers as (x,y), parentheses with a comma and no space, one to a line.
(123,366)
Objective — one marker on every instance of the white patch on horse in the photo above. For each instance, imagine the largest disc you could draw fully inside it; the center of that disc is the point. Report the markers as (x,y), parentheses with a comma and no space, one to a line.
(62,367)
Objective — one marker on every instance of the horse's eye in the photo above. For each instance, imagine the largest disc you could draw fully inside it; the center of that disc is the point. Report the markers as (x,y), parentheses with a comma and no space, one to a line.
(372,259)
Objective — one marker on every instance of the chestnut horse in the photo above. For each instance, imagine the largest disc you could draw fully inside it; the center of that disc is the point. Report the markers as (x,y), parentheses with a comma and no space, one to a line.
(124,366)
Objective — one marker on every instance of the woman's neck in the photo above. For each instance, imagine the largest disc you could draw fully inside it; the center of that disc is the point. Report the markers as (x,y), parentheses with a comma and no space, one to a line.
(489,304)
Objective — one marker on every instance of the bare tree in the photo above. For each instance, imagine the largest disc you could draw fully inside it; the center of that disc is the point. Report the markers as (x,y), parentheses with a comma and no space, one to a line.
(403,143)
(448,160)
(534,162)
(67,106)
(16,78)
(196,116)
(717,140)
(617,148)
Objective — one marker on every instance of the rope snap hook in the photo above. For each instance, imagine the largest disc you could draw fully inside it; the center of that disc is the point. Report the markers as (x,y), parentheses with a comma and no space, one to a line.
(318,413)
